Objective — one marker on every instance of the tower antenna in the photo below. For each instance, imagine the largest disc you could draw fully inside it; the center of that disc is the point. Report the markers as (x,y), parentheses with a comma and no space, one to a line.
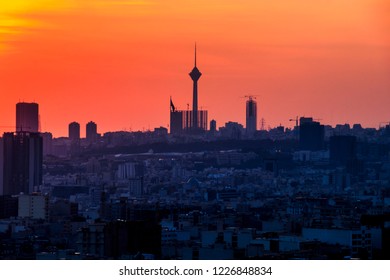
(195,54)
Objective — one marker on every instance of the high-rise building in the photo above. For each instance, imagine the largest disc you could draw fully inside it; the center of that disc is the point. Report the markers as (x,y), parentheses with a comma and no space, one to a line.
(27,117)
(311,135)
(20,163)
(251,116)
(213,126)
(176,119)
(74,131)
(47,139)
(91,132)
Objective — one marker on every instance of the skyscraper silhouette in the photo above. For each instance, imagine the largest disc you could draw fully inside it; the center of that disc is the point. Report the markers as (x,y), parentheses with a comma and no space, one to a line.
(20,163)
(251,116)
(195,75)
(213,126)
(27,117)
(91,132)
(74,131)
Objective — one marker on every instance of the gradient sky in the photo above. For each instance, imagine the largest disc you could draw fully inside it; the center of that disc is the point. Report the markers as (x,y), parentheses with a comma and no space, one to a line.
(117,62)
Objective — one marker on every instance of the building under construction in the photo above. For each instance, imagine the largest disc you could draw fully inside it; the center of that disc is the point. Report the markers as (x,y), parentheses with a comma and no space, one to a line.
(251,116)
(181,121)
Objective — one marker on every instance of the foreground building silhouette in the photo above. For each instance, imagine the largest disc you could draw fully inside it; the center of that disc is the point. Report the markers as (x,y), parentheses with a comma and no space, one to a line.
(21,158)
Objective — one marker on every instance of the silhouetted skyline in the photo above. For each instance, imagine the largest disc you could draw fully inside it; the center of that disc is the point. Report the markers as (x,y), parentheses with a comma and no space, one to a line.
(117,62)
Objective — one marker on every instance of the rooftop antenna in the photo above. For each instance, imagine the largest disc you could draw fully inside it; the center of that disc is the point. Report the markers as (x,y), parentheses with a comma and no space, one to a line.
(262,127)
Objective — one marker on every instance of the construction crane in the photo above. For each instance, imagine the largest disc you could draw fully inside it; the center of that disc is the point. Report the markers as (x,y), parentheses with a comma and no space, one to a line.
(296,120)
(250,97)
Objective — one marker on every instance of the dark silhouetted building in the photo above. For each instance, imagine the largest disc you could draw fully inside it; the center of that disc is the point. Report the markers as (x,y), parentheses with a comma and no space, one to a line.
(342,148)
(74,131)
(21,163)
(91,132)
(232,130)
(47,139)
(176,122)
(343,151)
(387,130)
(8,206)
(251,116)
(27,117)
(176,119)
(213,126)
(311,135)
(74,137)
(121,238)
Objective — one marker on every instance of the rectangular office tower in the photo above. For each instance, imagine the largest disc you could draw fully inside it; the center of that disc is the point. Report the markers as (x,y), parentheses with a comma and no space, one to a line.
(21,155)
(27,117)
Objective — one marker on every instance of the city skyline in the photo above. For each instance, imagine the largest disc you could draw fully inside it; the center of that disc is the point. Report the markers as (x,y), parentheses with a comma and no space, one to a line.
(117,63)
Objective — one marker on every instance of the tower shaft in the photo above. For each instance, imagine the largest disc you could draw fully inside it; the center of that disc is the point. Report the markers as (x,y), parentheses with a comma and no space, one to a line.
(195,105)
(195,75)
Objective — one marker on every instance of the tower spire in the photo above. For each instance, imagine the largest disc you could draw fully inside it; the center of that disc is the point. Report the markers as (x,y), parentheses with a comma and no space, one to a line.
(195,54)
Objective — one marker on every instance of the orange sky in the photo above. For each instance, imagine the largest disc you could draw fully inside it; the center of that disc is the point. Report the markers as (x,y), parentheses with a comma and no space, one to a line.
(116,62)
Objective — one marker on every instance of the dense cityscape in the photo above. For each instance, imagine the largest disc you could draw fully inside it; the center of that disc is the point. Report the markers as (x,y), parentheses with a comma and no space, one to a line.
(195,190)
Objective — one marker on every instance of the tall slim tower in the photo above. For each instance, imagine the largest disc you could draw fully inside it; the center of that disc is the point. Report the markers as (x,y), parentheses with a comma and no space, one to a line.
(195,75)
(251,116)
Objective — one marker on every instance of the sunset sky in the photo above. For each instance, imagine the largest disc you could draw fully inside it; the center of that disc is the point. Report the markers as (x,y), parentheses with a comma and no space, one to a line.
(117,62)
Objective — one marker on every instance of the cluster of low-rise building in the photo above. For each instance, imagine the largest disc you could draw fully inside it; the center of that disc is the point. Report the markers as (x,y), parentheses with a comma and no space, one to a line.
(216,197)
